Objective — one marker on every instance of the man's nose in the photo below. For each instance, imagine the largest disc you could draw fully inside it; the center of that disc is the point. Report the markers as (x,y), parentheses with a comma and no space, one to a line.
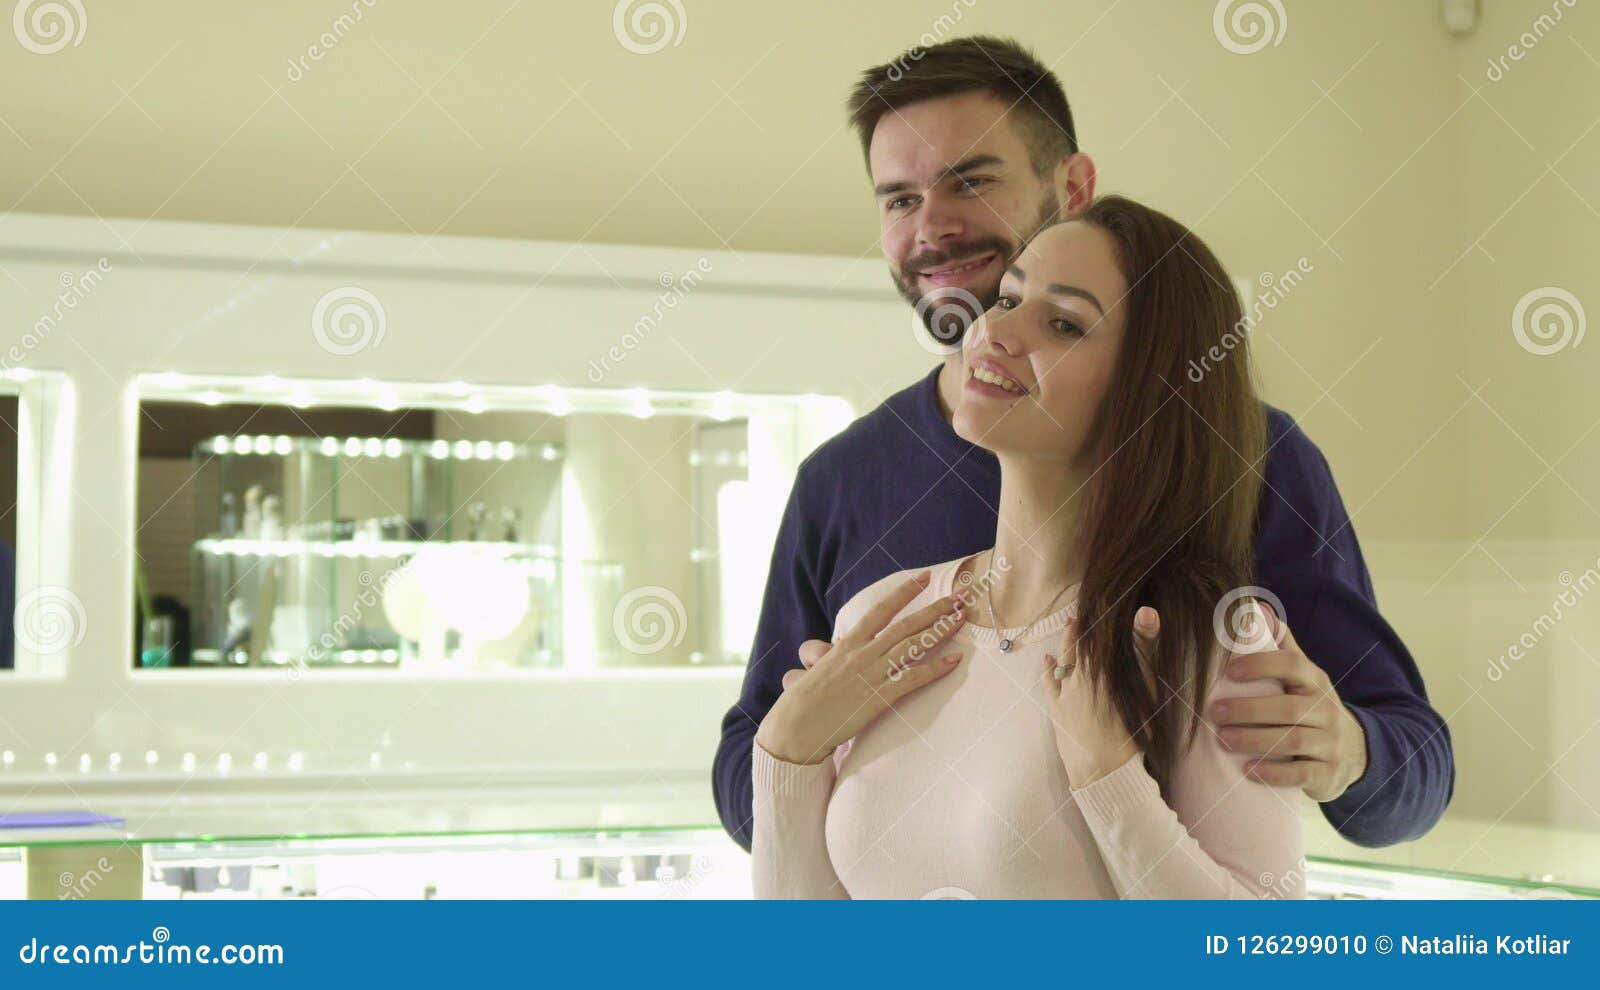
(938,222)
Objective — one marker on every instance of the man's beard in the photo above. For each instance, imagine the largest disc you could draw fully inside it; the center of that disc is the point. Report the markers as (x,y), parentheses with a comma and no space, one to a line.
(944,310)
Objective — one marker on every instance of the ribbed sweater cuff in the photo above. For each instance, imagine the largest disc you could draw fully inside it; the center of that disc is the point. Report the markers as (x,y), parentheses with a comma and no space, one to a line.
(790,780)
(1122,790)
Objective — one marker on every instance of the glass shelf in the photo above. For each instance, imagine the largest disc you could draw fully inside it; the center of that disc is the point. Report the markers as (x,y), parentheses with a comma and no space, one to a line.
(593,817)
(366,548)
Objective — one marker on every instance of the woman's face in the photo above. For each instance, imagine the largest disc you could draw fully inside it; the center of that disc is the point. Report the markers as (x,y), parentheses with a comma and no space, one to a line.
(1036,366)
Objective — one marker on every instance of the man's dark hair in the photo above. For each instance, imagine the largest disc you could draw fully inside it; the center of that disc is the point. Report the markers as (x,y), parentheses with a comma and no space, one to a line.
(983,62)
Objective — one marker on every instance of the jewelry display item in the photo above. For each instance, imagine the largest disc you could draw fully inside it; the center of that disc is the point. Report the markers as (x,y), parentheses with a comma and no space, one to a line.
(1005,642)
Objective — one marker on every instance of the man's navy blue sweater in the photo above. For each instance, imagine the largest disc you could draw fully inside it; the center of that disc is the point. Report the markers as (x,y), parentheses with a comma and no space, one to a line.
(899,489)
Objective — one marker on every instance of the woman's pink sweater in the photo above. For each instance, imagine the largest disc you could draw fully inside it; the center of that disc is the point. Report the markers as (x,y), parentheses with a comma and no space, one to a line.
(958,791)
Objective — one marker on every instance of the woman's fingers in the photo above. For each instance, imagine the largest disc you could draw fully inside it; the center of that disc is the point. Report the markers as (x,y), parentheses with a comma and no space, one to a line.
(791,678)
(1146,629)
(906,678)
(914,636)
(883,612)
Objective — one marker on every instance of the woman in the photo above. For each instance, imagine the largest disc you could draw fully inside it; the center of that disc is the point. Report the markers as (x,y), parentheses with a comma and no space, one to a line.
(988,727)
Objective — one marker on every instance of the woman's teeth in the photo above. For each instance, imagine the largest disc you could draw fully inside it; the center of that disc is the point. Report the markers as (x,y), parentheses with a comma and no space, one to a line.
(990,378)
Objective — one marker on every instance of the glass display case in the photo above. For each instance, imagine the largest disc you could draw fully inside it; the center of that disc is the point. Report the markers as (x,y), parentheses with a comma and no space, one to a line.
(374,550)
(506,847)
(454,528)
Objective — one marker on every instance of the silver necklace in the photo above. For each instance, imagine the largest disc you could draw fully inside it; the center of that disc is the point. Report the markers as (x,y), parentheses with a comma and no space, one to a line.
(1005,643)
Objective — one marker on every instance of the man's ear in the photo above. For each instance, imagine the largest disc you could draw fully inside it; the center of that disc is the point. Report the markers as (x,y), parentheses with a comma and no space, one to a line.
(1074,182)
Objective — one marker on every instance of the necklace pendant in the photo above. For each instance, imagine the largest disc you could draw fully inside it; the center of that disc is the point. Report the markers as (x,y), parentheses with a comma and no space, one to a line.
(1005,646)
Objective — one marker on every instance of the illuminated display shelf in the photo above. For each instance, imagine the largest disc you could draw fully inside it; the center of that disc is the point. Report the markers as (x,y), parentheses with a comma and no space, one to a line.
(366,548)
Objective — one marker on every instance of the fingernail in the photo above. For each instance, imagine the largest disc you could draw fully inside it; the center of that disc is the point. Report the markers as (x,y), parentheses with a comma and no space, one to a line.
(952,659)
(1235,668)
(1219,711)
(923,578)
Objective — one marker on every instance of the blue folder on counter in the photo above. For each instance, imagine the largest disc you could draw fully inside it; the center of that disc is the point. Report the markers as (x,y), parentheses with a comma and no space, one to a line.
(56,819)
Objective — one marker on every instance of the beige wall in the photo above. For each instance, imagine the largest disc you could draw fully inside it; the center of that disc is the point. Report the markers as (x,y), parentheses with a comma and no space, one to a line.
(1369,142)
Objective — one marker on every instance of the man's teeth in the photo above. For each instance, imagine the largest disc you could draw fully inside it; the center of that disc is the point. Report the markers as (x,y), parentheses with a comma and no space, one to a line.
(989,377)
(961,268)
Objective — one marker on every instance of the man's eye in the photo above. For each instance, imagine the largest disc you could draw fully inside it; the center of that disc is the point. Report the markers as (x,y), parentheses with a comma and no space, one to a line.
(895,204)
(967,185)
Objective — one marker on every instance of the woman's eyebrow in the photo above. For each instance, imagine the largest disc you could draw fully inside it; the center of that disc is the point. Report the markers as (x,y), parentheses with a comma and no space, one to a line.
(1060,290)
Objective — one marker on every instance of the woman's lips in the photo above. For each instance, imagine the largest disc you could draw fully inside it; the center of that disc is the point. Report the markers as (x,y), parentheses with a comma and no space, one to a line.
(979,387)
(965,271)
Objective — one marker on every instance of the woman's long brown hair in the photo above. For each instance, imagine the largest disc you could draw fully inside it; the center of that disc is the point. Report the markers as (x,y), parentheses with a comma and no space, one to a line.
(1169,516)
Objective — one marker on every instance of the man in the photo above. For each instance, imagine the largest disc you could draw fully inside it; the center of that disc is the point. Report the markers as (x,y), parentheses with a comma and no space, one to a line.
(971,148)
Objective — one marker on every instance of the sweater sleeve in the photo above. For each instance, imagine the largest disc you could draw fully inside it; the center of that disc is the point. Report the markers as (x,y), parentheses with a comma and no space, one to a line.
(1225,836)
(788,847)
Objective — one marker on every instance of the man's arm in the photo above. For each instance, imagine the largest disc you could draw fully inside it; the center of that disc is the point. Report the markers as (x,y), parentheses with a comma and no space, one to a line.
(792,611)
(1410,773)
(1309,556)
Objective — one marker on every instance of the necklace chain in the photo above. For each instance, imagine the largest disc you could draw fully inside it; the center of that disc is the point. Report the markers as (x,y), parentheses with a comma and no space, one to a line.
(1006,641)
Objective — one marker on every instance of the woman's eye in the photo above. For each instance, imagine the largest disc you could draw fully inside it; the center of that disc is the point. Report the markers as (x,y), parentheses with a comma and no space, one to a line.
(1068,328)
(1005,302)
